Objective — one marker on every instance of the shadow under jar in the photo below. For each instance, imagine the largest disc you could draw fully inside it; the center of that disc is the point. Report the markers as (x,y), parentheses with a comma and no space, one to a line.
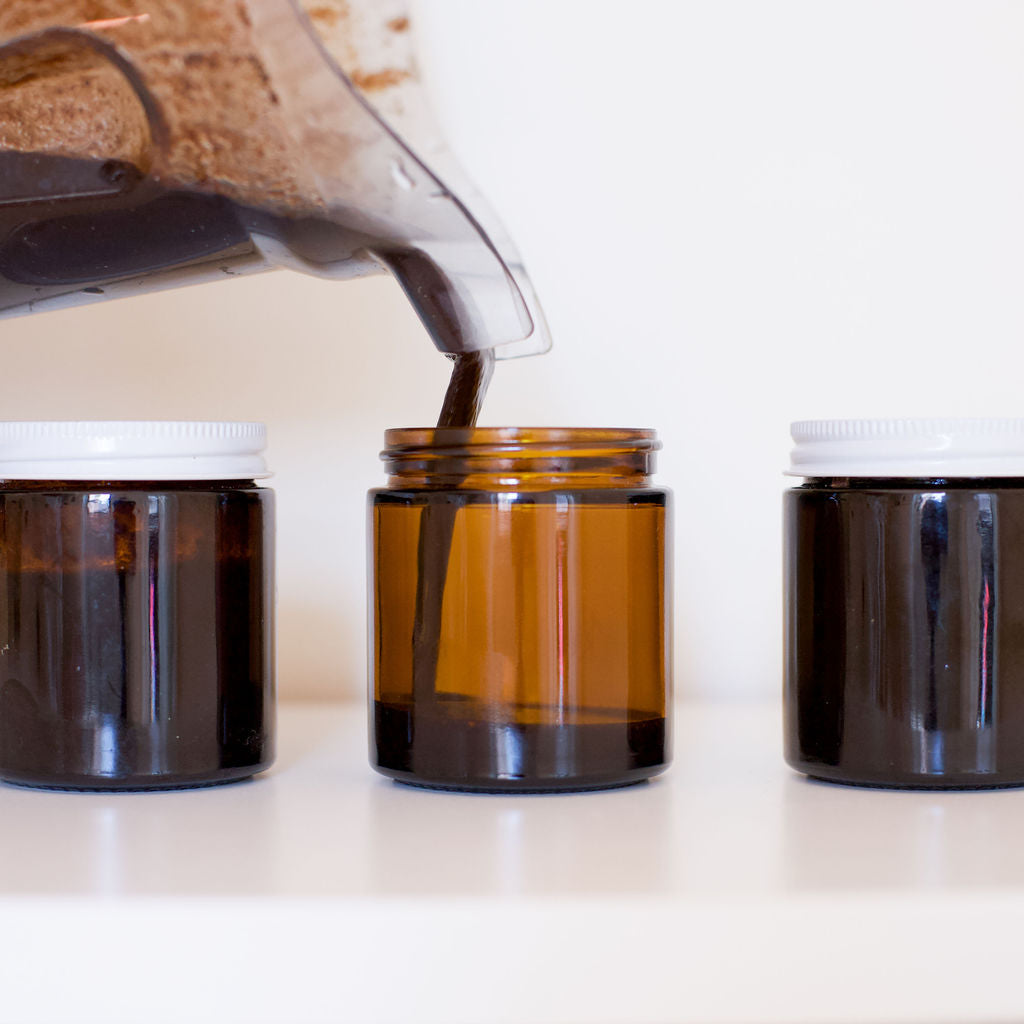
(904,563)
(520,596)
(136,605)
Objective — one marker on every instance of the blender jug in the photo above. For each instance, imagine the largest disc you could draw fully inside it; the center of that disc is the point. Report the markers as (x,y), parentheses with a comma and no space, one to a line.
(150,143)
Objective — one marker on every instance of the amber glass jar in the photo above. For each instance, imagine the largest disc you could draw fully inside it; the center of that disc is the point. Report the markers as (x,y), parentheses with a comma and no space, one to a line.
(905,603)
(136,605)
(520,609)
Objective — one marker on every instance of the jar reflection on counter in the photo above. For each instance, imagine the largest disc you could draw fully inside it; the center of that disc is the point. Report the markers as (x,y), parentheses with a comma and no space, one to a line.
(137,629)
(905,606)
(520,593)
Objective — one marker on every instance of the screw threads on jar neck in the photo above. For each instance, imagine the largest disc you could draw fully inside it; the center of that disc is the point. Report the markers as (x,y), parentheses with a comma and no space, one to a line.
(519,458)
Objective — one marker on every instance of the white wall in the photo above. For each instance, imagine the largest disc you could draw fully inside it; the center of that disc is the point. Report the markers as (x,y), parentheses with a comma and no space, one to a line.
(737,214)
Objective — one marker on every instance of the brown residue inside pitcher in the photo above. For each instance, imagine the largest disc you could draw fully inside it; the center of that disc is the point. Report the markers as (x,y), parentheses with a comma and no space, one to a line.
(226,130)
(372,81)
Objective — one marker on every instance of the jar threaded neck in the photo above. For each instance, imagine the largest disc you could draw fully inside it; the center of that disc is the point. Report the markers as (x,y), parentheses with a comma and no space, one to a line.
(519,457)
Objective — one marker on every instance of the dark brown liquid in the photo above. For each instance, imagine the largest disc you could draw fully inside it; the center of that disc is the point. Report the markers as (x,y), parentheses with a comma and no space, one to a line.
(69,225)
(137,635)
(471,374)
(451,748)
(905,632)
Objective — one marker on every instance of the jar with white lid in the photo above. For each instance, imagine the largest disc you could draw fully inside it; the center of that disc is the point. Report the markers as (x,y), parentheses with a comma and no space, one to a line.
(904,583)
(136,604)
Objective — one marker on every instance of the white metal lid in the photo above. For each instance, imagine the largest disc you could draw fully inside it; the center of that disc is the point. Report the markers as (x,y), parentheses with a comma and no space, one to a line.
(132,450)
(908,448)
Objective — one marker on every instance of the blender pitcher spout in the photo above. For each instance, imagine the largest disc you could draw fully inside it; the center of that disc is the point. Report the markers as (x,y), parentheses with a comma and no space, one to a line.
(467,283)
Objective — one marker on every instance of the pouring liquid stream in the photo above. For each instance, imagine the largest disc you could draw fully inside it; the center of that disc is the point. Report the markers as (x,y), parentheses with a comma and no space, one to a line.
(471,375)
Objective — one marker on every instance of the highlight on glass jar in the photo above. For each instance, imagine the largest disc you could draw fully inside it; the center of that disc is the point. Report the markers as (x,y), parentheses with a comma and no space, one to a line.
(136,604)
(904,565)
(520,591)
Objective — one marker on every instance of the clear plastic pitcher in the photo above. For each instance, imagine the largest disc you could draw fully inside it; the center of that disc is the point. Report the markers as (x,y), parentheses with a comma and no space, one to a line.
(150,143)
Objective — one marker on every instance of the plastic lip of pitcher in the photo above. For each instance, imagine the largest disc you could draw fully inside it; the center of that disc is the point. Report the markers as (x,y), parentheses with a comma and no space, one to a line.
(458,267)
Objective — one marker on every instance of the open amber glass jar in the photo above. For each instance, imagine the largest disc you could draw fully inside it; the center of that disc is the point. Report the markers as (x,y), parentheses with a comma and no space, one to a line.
(520,597)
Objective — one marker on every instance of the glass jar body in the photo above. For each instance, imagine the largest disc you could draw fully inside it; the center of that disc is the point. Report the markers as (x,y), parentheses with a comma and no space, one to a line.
(137,647)
(905,631)
(519,636)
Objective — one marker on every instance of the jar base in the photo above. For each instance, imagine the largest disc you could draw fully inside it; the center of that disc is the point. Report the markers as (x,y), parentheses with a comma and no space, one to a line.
(93,785)
(911,784)
(516,787)
(455,745)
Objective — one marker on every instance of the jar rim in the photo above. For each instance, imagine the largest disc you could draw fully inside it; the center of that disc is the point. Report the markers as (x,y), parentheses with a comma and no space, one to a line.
(512,438)
(510,457)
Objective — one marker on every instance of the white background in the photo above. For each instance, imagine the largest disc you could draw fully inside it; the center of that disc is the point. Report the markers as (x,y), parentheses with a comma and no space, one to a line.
(737,214)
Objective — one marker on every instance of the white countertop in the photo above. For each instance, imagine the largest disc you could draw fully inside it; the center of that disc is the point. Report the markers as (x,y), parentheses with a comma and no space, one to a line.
(730,889)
